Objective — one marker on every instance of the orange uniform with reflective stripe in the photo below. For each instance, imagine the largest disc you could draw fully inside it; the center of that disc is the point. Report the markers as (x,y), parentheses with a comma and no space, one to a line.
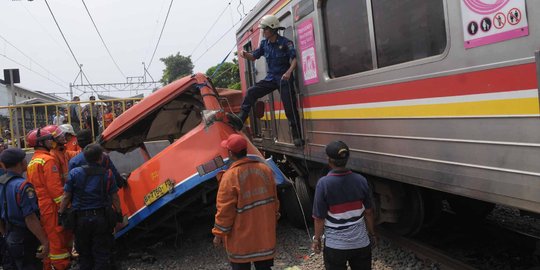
(44,174)
(108,119)
(73,145)
(247,209)
(62,157)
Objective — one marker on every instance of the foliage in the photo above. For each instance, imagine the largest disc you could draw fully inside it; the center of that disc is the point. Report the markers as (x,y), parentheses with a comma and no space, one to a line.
(176,66)
(228,75)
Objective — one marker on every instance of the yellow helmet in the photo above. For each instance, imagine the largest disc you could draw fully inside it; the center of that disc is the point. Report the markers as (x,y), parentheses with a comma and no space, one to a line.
(269,21)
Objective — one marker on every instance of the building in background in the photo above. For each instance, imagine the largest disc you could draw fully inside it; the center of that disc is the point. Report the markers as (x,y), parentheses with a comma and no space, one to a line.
(25,96)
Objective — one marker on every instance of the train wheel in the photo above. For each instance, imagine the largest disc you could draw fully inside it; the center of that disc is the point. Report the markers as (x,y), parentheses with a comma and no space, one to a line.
(432,208)
(411,214)
(297,203)
(471,209)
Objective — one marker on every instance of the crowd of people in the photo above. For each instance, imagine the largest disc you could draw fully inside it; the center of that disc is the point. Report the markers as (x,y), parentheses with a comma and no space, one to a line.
(67,205)
(94,115)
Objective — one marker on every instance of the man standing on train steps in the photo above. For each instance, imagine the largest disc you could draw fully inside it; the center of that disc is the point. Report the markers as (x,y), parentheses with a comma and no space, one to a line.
(342,210)
(280,58)
(247,209)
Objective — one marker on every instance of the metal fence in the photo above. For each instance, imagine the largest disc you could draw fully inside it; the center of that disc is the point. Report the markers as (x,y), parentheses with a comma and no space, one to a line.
(17,121)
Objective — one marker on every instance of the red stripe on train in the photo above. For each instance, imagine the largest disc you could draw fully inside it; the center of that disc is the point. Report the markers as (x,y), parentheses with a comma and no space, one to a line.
(504,79)
(513,78)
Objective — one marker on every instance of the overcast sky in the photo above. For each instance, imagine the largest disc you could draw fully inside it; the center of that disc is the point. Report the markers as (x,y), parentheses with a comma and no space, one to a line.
(130,29)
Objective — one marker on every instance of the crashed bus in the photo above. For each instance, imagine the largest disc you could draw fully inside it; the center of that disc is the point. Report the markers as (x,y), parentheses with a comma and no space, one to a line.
(169,143)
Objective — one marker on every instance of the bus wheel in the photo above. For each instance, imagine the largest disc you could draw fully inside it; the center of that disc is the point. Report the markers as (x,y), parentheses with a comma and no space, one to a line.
(296,202)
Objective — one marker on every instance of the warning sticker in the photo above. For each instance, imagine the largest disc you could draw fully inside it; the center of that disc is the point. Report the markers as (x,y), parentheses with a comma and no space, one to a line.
(306,38)
(490,21)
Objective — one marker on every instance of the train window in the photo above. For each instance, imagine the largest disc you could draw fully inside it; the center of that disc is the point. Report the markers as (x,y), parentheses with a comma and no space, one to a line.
(348,44)
(407,30)
(288,33)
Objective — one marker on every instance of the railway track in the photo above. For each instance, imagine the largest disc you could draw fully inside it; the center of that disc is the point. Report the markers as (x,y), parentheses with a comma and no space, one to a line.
(500,242)
(425,252)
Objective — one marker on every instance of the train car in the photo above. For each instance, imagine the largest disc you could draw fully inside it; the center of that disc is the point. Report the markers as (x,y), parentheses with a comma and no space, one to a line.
(170,144)
(437,99)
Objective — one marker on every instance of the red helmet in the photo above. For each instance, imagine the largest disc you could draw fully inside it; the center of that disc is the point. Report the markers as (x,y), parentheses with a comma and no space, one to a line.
(37,136)
(54,130)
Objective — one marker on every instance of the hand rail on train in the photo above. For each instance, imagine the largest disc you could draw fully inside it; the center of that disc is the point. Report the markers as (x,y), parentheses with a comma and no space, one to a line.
(32,116)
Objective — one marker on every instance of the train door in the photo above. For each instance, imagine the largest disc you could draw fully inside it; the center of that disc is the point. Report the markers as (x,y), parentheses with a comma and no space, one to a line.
(250,73)
(279,121)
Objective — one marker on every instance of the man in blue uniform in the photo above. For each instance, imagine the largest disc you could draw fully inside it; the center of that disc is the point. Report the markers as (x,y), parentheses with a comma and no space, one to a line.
(280,58)
(342,209)
(92,191)
(20,214)
(84,138)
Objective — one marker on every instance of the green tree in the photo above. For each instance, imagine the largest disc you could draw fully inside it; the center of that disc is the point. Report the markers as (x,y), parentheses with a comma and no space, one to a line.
(228,75)
(176,66)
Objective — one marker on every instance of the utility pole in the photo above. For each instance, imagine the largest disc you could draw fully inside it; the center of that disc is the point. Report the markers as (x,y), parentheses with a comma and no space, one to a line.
(70,91)
(15,119)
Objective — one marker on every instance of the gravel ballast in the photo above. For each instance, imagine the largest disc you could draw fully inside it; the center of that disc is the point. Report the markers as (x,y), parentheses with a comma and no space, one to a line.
(194,250)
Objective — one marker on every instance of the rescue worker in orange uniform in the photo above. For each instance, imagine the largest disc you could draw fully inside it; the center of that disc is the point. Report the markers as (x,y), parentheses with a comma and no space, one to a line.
(71,138)
(58,150)
(44,174)
(108,117)
(247,209)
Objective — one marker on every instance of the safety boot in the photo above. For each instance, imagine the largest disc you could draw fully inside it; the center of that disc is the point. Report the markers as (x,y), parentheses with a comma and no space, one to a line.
(243,116)
(297,139)
(237,121)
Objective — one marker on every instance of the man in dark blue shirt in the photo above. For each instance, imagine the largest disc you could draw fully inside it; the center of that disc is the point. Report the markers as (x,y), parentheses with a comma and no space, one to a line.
(91,190)
(19,213)
(280,58)
(342,209)
(84,138)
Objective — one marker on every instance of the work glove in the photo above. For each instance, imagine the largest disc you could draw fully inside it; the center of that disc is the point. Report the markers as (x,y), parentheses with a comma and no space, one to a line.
(61,218)
(122,182)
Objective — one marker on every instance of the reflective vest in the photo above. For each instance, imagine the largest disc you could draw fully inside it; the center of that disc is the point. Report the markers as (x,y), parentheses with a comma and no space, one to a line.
(44,174)
(247,208)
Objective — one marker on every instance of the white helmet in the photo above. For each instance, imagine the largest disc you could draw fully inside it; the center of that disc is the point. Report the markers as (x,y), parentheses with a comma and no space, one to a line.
(67,128)
(270,21)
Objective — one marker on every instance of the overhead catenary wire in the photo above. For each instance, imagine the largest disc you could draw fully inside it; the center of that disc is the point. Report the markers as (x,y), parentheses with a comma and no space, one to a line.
(216,42)
(102,40)
(32,60)
(210,29)
(45,30)
(31,70)
(67,43)
(160,35)
(223,72)
(62,33)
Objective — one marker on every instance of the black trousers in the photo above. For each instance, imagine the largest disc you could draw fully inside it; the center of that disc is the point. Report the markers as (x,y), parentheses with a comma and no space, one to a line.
(288,97)
(21,247)
(259,265)
(94,241)
(358,259)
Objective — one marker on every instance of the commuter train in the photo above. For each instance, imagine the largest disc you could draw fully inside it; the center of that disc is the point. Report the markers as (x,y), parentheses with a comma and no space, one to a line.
(437,99)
